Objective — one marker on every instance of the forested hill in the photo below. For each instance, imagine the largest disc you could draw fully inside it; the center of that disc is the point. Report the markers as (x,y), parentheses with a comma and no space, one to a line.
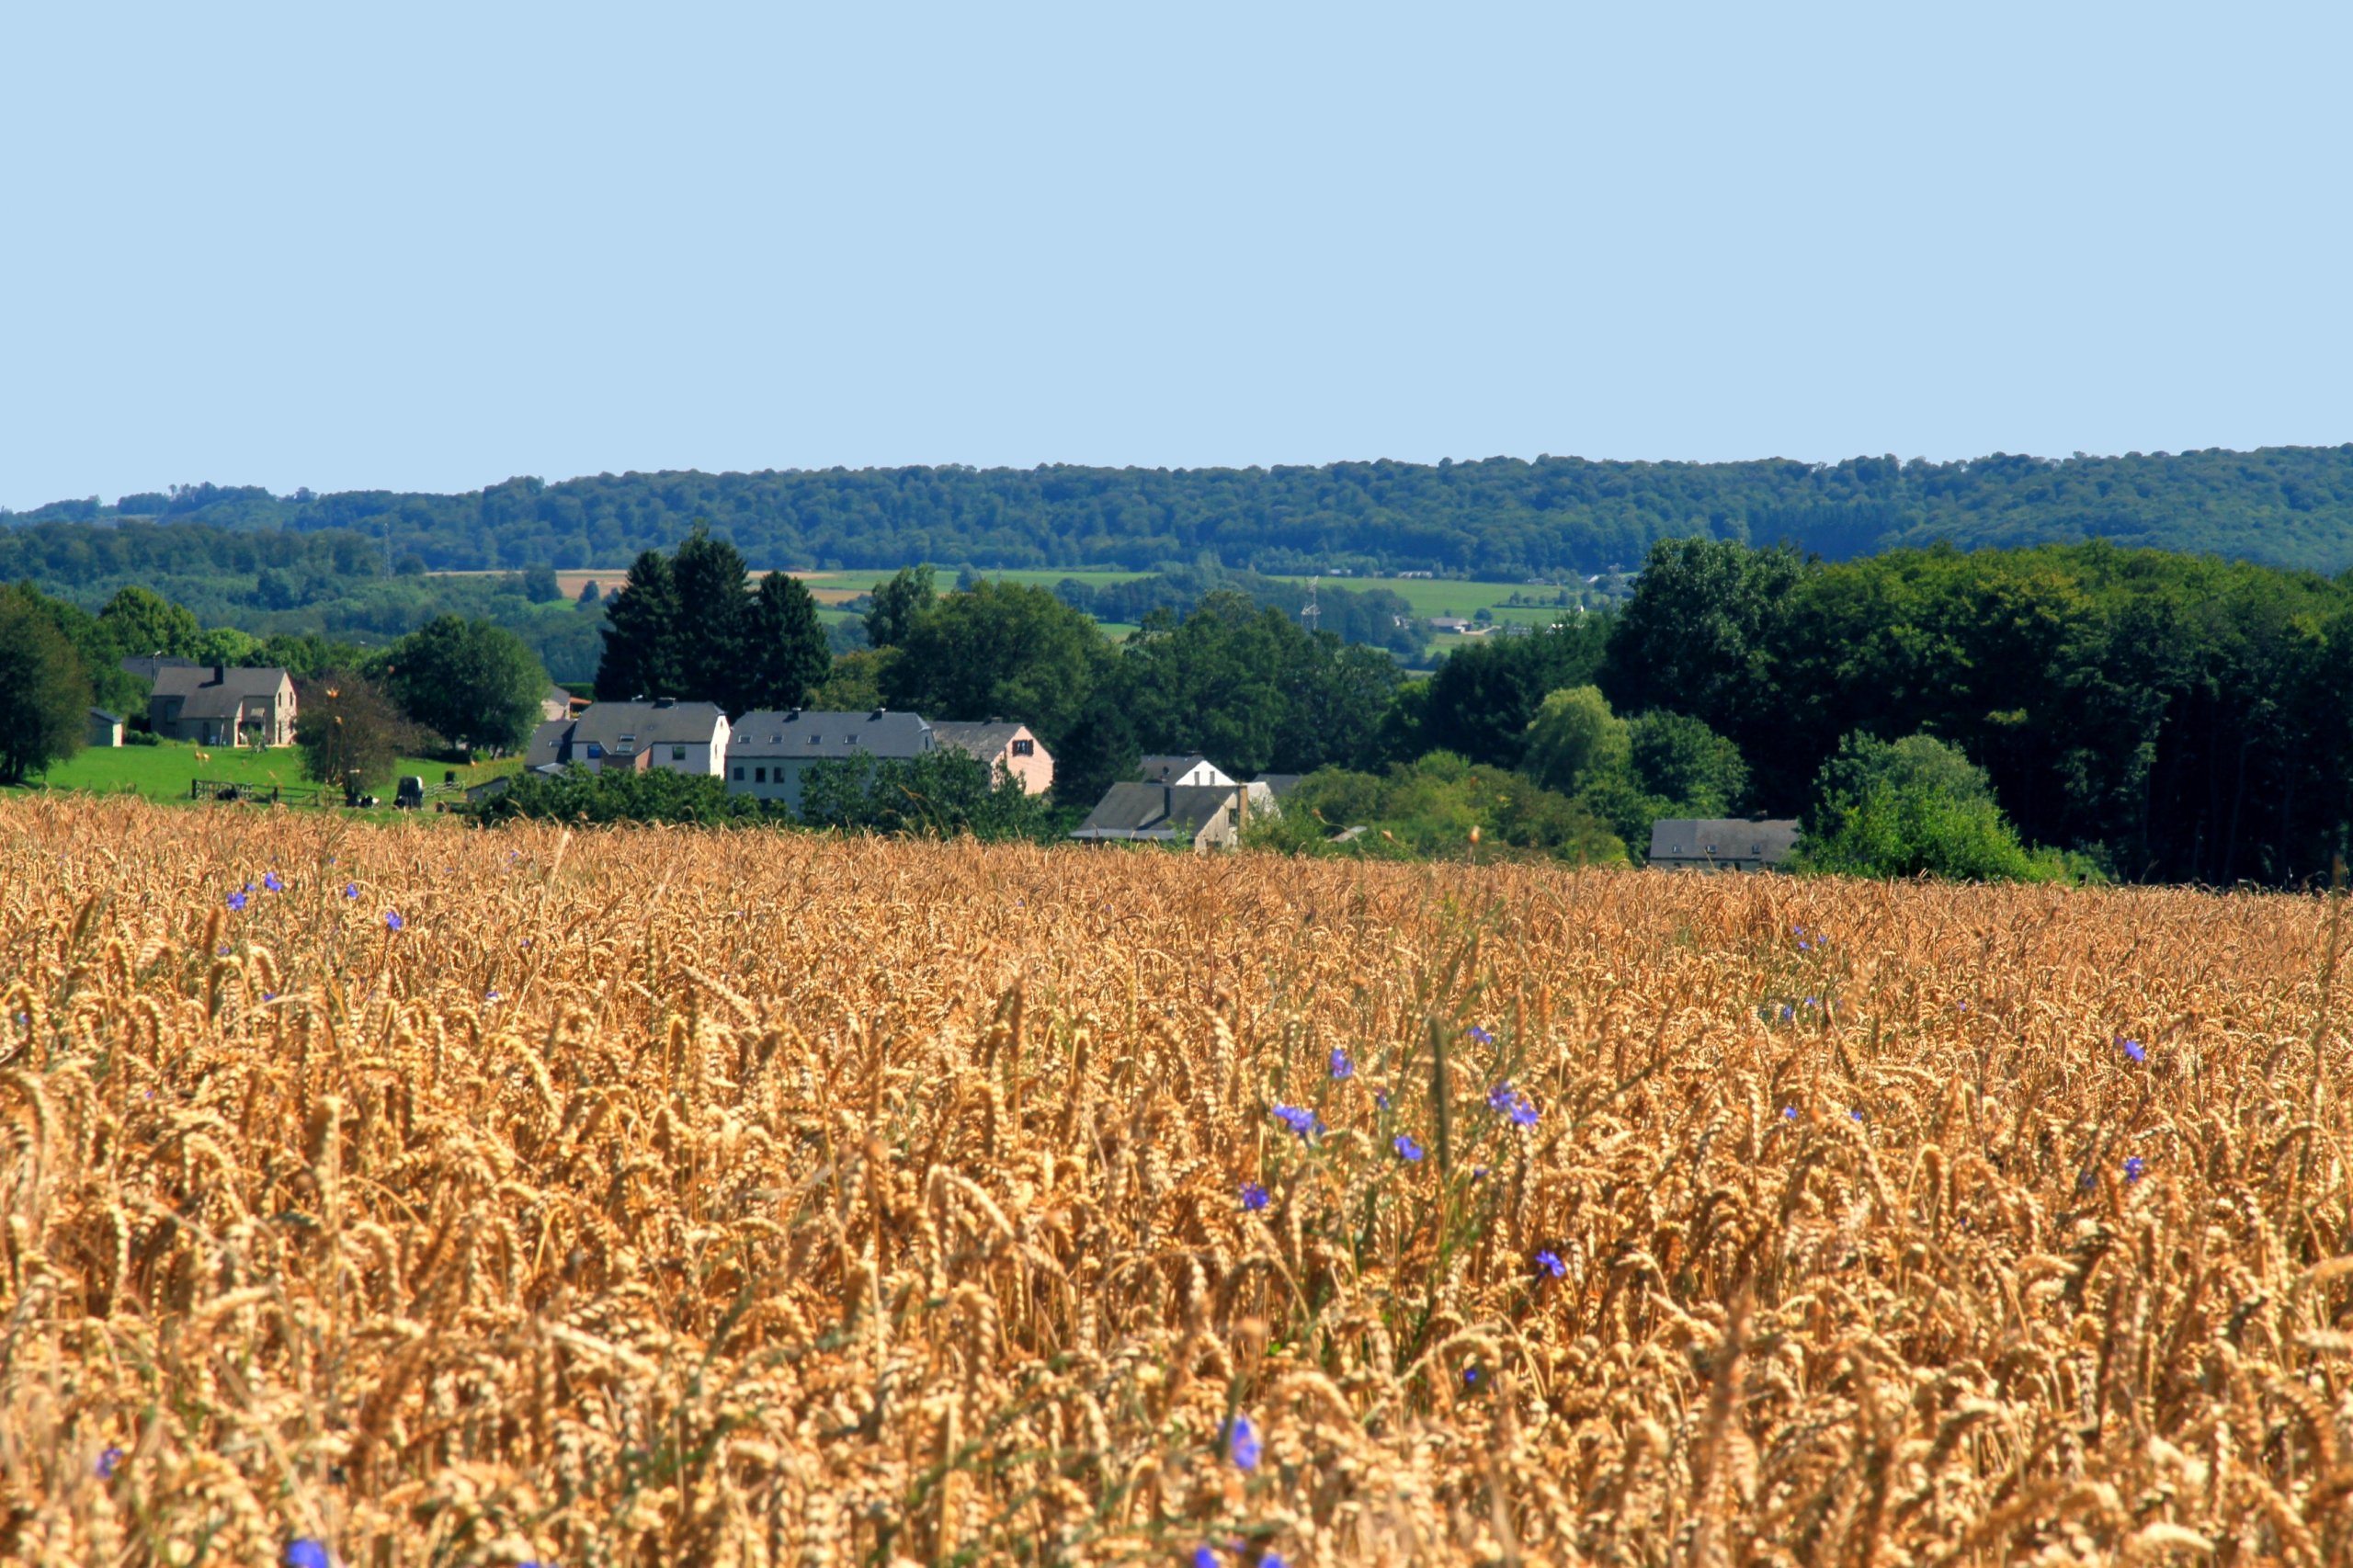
(2283,507)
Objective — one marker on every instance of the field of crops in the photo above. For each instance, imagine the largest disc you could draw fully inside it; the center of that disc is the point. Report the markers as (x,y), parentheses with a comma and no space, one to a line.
(663,1198)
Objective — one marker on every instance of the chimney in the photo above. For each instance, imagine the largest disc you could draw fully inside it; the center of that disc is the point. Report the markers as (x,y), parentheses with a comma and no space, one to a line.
(666,702)
(220,675)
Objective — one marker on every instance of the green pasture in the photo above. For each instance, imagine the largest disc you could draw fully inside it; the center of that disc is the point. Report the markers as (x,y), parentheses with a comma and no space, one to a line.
(163,772)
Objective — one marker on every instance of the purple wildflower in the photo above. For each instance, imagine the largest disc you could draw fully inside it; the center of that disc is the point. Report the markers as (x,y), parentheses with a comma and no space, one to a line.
(1299,1118)
(351,890)
(1242,1443)
(236,901)
(110,1460)
(1406,1148)
(1341,1066)
(393,921)
(1470,1377)
(1505,1100)
(1856,1113)
(307,1552)
(1789,1113)
(269,880)
(1550,1262)
(2133,1169)
(1254,1197)
(1205,1556)
(1482,1036)
(2135,1049)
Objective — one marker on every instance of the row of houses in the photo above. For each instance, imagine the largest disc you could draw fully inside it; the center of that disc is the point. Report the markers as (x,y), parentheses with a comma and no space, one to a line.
(766,752)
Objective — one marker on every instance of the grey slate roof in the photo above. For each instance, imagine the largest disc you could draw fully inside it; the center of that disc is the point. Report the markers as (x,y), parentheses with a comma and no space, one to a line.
(803,733)
(985,739)
(1279,784)
(181,679)
(1154,810)
(1724,840)
(647,723)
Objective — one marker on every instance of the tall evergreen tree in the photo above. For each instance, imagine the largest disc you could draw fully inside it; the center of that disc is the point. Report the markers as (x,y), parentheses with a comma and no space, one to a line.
(713,607)
(641,656)
(785,655)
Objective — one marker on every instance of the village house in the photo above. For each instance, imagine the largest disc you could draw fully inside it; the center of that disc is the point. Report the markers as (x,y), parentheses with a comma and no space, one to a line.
(1201,816)
(1000,744)
(685,737)
(218,705)
(1720,844)
(773,748)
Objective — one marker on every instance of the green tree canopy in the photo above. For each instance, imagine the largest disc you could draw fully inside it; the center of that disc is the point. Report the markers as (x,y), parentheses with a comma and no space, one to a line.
(142,621)
(896,603)
(785,656)
(44,695)
(468,680)
(1914,807)
(1000,650)
(642,657)
(1680,760)
(1575,741)
(714,608)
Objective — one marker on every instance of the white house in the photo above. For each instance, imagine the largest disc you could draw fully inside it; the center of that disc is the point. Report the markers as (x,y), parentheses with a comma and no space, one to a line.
(772,747)
(685,737)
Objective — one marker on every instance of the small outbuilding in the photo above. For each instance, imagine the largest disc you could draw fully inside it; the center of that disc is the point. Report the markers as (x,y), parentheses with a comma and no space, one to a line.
(106,729)
(1721,843)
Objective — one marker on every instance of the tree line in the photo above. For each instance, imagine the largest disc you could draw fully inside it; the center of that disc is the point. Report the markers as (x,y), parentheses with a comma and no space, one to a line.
(1500,517)
(2062,709)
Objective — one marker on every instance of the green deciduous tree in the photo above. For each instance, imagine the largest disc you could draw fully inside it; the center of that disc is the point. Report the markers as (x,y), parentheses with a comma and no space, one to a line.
(1001,650)
(1913,807)
(44,695)
(1575,741)
(895,604)
(142,621)
(474,683)
(941,794)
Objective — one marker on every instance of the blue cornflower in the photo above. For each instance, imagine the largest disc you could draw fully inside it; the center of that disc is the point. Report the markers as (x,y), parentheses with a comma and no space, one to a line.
(351,890)
(1242,1443)
(1341,1066)
(269,995)
(1788,1012)
(1856,1113)
(1813,1001)
(1550,1262)
(1254,1197)
(2133,1169)
(2135,1049)
(1505,1100)
(1205,1556)
(1272,1559)
(269,880)
(306,1552)
(491,996)
(1470,1377)
(236,901)
(393,921)
(1299,1118)
(1406,1148)
(1789,1113)
(1482,1036)
(110,1460)
(1381,1098)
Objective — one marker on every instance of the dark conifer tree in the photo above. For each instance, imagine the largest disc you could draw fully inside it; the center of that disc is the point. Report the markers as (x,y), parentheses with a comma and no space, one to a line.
(641,656)
(785,655)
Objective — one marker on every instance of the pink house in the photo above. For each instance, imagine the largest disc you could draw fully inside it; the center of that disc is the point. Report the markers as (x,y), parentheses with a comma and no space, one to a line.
(1000,744)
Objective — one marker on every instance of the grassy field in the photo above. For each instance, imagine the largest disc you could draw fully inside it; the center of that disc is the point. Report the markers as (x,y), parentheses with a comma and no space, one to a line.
(658,1195)
(163,772)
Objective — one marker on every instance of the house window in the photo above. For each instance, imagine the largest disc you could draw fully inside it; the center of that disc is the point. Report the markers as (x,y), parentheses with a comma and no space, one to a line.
(629,740)
(759,774)
(739,773)
(677,754)
(1024,748)
(595,749)
(815,739)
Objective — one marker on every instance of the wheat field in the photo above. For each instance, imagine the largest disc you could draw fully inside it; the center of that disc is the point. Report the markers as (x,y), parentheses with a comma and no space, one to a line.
(664,1196)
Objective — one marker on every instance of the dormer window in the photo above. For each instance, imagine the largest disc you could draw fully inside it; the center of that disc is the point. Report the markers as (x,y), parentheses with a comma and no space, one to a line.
(1024,748)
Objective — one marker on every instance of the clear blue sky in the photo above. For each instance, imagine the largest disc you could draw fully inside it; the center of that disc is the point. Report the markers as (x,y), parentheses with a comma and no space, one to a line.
(432,246)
